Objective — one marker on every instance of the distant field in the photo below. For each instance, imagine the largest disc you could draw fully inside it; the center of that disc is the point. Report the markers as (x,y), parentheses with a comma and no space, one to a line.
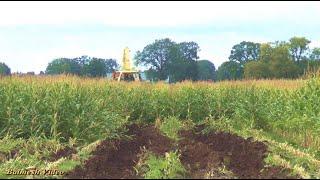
(59,122)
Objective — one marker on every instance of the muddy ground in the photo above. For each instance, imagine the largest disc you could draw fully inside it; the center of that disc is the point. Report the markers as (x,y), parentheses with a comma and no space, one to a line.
(202,155)
(115,159)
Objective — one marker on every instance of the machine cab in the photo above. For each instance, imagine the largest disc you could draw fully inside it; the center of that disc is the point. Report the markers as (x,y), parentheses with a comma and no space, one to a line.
(126,76)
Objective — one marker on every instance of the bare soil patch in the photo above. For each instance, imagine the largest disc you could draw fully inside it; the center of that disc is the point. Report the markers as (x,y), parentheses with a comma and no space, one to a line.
(115,159)
(202,155)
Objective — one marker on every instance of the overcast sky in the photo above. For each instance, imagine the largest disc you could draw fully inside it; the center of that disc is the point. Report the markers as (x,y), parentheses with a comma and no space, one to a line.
(34,33)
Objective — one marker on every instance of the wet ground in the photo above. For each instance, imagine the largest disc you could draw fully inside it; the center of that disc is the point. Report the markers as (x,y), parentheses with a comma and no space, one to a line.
(202,155)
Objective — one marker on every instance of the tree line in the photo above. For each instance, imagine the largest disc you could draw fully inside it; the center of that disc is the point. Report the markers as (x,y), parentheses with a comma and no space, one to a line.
(179,61)
(278,59)
(82,66)
(167,59)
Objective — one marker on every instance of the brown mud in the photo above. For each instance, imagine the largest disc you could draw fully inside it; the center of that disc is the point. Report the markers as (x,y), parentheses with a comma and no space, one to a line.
(204,156)
(115,159)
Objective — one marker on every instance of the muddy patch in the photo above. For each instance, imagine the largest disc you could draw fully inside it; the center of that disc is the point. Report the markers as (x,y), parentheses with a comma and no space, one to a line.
(203,154)
(215,155)
(199,159)
(115,159)
(243,157)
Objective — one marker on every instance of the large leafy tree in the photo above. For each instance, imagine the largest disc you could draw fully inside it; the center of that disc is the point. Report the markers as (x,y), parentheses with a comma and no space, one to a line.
(256,70)
(245,52)
(4,69)
(260,69)
(230,70)
(265,52)
(151,74)
(190,52)
(298,47)
(63,66)
(96,68)
(166,58)
(183,62)
(111,65)
(281,65)
(206,70)
(275,61)
(83,62)
(177,66)
(157,57)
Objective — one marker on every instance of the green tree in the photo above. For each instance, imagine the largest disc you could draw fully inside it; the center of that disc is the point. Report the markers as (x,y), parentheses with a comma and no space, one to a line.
(151,74)
(308,66)
(315,54)
(281,65)
(183,62)
(111,65)
(83,62)
(256,70)
(298,46)
(190,52)
(4,69)
(265,52)
(177,66)
(244,52)
(156,56)
(166,58)
(260,69)
(230,70)
(275,61)
(206,70)
(63,66)
(84,65)
(96,68)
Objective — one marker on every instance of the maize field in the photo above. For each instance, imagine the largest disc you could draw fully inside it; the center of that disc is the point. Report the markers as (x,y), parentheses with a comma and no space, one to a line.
(61,123)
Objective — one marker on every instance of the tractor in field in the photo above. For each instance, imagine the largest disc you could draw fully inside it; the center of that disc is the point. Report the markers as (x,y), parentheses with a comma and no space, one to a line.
(126,76)
(127,72)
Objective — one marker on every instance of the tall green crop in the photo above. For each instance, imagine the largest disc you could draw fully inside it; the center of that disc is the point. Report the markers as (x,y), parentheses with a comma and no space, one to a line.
(88,109)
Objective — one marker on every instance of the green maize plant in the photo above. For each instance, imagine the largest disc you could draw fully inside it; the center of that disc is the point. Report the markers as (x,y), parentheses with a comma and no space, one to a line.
(63,107)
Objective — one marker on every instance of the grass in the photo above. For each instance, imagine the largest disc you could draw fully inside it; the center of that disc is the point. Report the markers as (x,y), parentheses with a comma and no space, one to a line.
(28,153)
(168,167)
(170,127)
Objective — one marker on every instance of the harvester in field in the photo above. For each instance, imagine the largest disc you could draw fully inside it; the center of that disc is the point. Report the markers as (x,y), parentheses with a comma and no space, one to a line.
(127,72)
